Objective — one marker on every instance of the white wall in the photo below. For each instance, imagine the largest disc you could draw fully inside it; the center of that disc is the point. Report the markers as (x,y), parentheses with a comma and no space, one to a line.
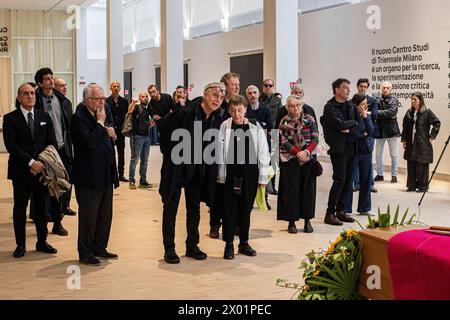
(208,58)
(91,50)
(337,43)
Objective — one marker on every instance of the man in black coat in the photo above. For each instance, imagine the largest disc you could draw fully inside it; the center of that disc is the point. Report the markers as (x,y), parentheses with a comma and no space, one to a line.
(94,175)
(269,99)
(27,132)
(341,124)
(60,111)
(119,109)
(192,173)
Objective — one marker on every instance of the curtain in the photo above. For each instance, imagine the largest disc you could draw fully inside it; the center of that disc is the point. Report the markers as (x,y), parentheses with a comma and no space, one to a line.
(5,86)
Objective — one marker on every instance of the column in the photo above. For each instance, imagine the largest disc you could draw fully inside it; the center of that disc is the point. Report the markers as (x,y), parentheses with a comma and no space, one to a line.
(281,44)
(114,39)
(172,38)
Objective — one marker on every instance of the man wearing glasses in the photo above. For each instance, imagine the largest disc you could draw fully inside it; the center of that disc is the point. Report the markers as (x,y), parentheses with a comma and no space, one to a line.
(94,175)
(60,111)
(198,178)
(269,99)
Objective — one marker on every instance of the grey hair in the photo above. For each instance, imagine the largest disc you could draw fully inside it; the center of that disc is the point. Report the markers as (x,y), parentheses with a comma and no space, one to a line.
(88,89)
(293,97)
(297,87)
(251,87)
(386,82)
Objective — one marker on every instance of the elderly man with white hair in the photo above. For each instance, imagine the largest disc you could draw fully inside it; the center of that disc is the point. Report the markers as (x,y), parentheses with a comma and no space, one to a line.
(387,130)
(94,175)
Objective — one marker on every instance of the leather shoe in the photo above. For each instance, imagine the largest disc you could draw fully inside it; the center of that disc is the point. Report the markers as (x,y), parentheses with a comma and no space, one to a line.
(331,219)
(308,227)
(422,190)
(214,232)
(60,231)
(45,247)
(90,261)
(411,190)
(292,228)
(19,252)
(374,190)
(344,217)
(245,249)
(394,180)
(269,207)
(229,252)
(196,253)
(70,212)
(171,257)
(107,255)
(123,179)
(378,179)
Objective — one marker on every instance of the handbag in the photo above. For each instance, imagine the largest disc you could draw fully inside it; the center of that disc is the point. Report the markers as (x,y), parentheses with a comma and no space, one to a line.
(317,169)
(127,129)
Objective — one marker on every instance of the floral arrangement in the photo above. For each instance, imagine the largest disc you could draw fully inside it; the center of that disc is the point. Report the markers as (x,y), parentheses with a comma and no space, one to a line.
(332,274)
(384,219)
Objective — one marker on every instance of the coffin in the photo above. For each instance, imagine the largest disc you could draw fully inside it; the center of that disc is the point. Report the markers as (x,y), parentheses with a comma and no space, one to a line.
(374,250)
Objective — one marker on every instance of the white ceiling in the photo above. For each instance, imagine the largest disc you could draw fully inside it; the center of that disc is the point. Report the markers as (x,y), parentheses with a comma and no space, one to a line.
(43,4)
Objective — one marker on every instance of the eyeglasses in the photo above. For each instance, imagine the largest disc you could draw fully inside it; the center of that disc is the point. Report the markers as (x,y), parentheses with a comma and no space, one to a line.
(98,99)
(268,85)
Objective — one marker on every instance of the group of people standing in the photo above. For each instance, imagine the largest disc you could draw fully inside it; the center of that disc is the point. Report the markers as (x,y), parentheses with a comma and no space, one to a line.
(253,133)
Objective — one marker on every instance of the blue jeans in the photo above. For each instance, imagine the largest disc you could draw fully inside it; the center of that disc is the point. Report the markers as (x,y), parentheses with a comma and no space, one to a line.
(356,176)
(154,139)
(140,149)
(364,162)
(392,142)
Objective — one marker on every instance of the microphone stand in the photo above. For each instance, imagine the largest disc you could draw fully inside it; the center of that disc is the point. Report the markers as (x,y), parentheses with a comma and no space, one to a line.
(432,175)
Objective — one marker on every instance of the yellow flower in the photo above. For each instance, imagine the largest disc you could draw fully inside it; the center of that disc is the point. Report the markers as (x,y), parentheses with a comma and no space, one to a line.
(316,273)
(351,233)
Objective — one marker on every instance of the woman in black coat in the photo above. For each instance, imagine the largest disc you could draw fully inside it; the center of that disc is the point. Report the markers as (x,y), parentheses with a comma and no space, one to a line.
(417,141)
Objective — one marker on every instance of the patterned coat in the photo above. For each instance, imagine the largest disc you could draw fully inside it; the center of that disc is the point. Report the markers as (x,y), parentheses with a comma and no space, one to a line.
(420,149)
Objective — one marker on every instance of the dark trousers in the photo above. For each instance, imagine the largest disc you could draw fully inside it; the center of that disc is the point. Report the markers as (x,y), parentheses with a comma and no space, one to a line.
(22,190)
(418,175)
(216,212)
(364,164)
(342,179)
(237,208)
(154,138)
(120,145)
(56,207)
(94,220)
(193,195)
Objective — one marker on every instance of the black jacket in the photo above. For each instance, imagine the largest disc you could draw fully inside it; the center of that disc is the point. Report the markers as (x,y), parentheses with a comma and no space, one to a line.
(262,115)
(387,125)
(94,163)
(118,112)
(421,150)
(109,122)
(273,103)
(175,176)
(21,146)
(67,113)
(334,122)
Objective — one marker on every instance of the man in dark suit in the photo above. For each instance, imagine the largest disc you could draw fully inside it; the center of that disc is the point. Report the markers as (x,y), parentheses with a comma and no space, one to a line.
(27,132)
(94,175)
(119,108)
(59,108)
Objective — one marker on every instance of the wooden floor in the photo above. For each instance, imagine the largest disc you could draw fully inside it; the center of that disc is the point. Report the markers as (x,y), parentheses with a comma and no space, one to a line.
(140,272)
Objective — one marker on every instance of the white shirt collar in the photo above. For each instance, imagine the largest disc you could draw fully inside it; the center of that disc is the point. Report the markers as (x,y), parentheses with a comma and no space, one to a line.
(25,112)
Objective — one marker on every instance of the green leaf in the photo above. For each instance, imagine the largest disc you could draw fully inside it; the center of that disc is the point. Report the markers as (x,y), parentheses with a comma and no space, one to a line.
(404,217)
(411,220)
(395,223)
(389,210)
